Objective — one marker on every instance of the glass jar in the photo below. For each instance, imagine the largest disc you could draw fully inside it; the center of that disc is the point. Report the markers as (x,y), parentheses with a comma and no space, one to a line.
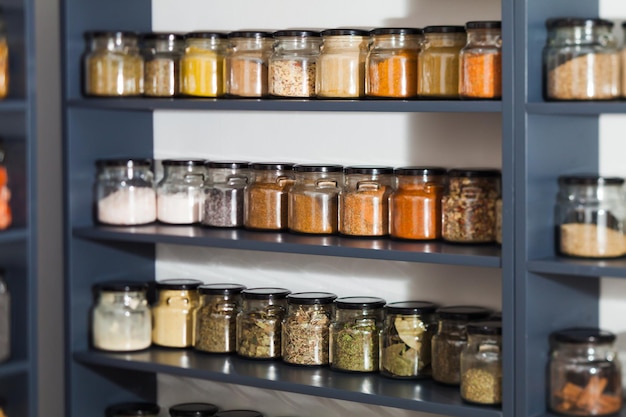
(499,221)
(406,341)
(590,214)
(341,64)
(6,213)
(259,322)
(451,339)
(314,198)
(265,202)
(180,199)
(481,363)
(585,373)
(113,64)
(162,53)
(305,330)
(133,409)
(193,410)
(216,317)
(247,62)
(172,314)
(480,74)
(415,204)
(469,206)
(293,63)
(5,319)
(121,319)
(223,193)
(202,66)
(364,201)
(392,62)
(125,193)
(438,69)
(355,334)
(4,58)
(622,62)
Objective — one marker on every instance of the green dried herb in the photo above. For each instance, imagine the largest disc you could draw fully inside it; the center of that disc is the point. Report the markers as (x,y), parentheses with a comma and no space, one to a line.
(216,327)
(259,335)
(446,364)
(355,347)
(481,386)
(305,337)
(407,348)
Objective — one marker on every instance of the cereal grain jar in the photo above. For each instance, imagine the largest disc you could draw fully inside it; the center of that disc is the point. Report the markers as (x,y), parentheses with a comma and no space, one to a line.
(293,64)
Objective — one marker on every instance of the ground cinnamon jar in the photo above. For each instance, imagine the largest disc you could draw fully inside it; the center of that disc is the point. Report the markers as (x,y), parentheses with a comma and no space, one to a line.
(480,61)
(246,63)
(265,199)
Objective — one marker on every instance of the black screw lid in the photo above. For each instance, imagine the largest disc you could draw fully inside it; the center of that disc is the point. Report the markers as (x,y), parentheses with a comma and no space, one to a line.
(484,24)
(124,162)
(132,409)
(111,34)
(473,172)
(317,168)
(464,313)
(344,32)
(491,327)
(358,303)
(310,298)
(583,335)
(396,31)
(265,293)
(560,22)
(178,284)
(368,170)
(221,288)
(193,410)
(249,34)
(239,413)
(162,36)
(444,29)
(205,35)
(269,166)
(296,32)
(121,286)
(421,171)
(589,179)
(183,162)
(228,164)
(411,307)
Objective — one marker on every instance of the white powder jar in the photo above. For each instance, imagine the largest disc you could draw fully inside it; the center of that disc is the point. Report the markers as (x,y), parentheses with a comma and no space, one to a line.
(180,197)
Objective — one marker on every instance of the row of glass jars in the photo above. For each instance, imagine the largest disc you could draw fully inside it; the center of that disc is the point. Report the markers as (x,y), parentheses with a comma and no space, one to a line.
(195,409)
(425,203)
(437,61)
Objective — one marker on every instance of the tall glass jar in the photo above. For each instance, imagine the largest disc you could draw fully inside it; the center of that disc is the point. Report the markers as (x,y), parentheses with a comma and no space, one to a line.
(223,193)
(265,199)
(341,65)
(481,363)
(202,67)
(172,314)
(247,62)
(585,373)
(480,74)
(4,58)
(293,63)
(162,53)
(180,199)
(125,193)
(314,198)
(581,60)
(113,64)
(133,409)
(438,69)
(5,319)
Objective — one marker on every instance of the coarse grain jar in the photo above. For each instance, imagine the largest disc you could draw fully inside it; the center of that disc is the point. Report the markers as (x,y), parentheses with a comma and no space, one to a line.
(113,65)
(590,214)
(364,201)
(341,64)
(4,58)
(391,63)
(314,198)
(223,193)
(415,204)
(216,317)
(125,194)
(259,323)
(193,410)
(480,61)
(451,338)
(355,333)
(581,60)
(469,206)
(293,63)
(481,363)
(266,198)
(5,319)
(202,67)
(121,318)
(172,314)
(247,63)
(305,330)
(180,198)
(133,409)
(585,373)
(162,53)
(438,69)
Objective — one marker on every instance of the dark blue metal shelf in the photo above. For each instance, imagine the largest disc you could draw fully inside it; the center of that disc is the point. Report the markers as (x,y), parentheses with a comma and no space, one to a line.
(12,368)
(13,235)
(580,267)
(590,108)
(12,105)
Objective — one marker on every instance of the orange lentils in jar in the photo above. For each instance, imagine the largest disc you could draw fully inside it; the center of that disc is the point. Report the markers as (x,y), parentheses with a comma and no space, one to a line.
(480,62)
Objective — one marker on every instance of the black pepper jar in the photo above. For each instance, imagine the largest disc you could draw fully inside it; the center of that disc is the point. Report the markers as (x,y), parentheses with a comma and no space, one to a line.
(193,410)
(481,363)
(133,409)
(223,193)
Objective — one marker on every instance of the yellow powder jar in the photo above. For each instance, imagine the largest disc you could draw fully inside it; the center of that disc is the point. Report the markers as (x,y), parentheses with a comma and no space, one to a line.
(172,315)
(341,64)
(203,72)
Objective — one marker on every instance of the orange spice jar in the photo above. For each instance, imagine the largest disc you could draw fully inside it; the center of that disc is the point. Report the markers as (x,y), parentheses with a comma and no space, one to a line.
(480,61)
(265,199)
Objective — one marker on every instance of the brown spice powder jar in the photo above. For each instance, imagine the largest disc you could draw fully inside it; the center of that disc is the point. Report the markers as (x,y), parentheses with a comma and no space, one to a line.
(247,62)
(265,199)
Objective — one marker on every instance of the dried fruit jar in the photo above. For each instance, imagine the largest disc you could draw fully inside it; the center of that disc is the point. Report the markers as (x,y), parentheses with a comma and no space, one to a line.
(341,64)
(193,410)
(293,63)
(172,315)
(481,363)
(480,73)
(162,53)
(406,340)
(438,62)
(223,193)
(202,67)
(585,373)
(247,62)
(581,60)
(265,199)
(5,319)
(4,58)
(133,409)
(180,199)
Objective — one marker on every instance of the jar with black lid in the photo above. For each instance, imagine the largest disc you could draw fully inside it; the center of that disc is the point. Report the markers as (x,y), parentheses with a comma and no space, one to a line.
(162,53)
(293,63)
(180,199)
(172,314)
(5,78)
(481,363)
(223,193)
(193,410)
(238,413)
(133,409)
(202,67)
(438,69)
(247,63)
(5,319)
(341,64)
(265,198)
(480,61)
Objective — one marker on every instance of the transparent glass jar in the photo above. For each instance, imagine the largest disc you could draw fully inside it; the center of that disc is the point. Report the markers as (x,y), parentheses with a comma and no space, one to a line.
(438,69)
(364,201)
(121,318)
(265,200)
(451,339)
(113,65)
(6,213)
(180,199)
(162,53)
(5,319)
(622,62)
(590,214)
(581,60)
(391,62)
(4,58)
(259,322)
(193,410)
(203,65)
(314,199)
(355,333)
(341,64)
(481,363)
(125,194)
(305,330)
(223,193)
(216,317)
(469,206)
(480,63)
(293,63)
(585,373)
(247,63)
(415,204)
(133,409)
(172,314)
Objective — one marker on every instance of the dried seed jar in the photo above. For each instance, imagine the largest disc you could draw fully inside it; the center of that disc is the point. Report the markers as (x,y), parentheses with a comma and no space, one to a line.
(480,63)
(133,409)
(4,58)
(223,193)
(265,199)
(5,319)
(162,53)
(193,410)
(341,64)
(180,199)
(247,62)
(202,66)
(438,69)
(293,63)
(481,363)
(585,373)
(172,314)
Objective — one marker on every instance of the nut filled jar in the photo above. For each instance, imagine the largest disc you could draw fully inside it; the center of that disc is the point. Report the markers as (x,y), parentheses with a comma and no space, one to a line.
(341,64)
(293,63)
(202,66)
(133,409)
(265,199)
(162,53)
(5,319)
(481,61)
(438,69)
(223,193)
(481,363)
(247,62)
(180,199)
(172,315)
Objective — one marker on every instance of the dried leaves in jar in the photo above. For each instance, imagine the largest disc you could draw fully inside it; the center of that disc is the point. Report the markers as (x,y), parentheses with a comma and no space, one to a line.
(356,347)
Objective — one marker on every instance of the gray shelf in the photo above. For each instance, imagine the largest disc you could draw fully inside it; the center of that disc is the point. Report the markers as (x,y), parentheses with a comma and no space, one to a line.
(576,108)
(13,235)
(12,105)
(11,368)
(580,267)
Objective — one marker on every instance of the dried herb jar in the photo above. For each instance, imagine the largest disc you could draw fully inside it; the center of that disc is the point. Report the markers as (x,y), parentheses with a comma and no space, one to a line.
(180,199)
(305,331)
(247,63)
(480,61)
(293,63)
(438,62)
(193,410)
(203,67)
(266,197)
(5,319)
(341,64)
(223,193)
(585,373)
(162,53)
(133,409)
(172,315)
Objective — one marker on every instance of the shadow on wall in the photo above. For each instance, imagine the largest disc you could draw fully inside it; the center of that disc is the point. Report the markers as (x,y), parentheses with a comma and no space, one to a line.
(446,12)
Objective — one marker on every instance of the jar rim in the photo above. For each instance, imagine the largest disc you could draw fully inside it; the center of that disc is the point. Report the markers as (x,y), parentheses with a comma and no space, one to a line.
(444,29)
(265,293)
(583,335)
(420,170)
(463,313)
(112,34)
(344,32)
(589,179)
(132,409)
(474,172)
(396,31)
(228,164)
(193,410)
(368,169)
(484,24)
(121,286)
(318,168)
(178,284)
(183,162)
(224,288)
(250,34)
(310,298)
(169,36)
(124,162)
(267,166)
(488,327)
(296,33)
(559,22)
(359,303)
(411,307)
(205,35)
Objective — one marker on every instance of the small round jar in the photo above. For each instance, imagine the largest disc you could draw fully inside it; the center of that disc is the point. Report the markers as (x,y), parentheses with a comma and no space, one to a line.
(438,69)
(216,317)
(259,322)
(193,410)
(355,334)
(239,413)
(247,62)
(180,199)
(480,61)
(265,199)
(202,66)
(125,193)
(4,59)
(293,63)
(5,319)
(314,199)
(305,330)
(162,53)
(585,373)
(172,315)
(133,410)
(223,193)
(341,64)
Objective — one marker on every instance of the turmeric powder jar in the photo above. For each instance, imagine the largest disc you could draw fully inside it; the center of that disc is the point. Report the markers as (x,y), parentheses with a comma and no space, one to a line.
(202,66)
(480,61)
(246,63)
(265,199)
(438,70)
(341,65)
